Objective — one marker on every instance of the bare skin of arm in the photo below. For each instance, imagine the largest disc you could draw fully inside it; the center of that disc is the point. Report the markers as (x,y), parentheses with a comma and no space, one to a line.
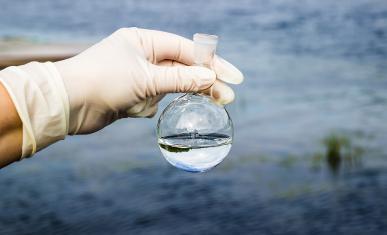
(11,130)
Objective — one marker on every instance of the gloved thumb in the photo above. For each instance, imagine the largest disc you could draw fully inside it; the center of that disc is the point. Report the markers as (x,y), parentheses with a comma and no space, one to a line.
(182,79)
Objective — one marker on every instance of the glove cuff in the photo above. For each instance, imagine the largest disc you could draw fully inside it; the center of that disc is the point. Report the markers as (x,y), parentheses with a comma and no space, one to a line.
(38,93)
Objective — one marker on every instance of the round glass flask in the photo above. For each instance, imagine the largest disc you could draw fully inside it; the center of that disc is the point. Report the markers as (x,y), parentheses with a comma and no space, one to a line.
(194,133)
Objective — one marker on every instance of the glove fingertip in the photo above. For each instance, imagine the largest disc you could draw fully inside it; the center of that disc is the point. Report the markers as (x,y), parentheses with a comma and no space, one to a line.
(227,96)
(227,72)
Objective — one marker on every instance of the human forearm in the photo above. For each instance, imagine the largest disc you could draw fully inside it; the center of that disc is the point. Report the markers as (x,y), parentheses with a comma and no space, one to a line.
(10,130)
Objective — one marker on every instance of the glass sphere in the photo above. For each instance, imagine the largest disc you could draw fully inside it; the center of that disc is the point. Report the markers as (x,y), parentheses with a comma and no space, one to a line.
(194,133)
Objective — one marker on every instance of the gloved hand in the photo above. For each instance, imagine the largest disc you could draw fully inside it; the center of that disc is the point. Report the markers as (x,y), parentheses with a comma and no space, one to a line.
(130,71)
(124,75)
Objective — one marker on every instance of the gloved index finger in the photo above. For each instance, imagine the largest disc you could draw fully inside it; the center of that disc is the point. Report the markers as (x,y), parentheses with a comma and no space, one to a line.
(161,46)
(167,46)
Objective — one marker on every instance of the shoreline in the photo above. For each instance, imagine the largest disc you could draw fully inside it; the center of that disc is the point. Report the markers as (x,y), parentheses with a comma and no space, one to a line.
(18,52)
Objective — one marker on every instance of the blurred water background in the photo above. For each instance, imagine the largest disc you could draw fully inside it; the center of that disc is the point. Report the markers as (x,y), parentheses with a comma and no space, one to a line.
(309,156)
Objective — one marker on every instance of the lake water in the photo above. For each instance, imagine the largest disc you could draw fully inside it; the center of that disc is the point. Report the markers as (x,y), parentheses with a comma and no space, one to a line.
(309,152)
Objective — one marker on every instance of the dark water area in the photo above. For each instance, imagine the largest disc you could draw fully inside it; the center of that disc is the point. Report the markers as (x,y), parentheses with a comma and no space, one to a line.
(309,155)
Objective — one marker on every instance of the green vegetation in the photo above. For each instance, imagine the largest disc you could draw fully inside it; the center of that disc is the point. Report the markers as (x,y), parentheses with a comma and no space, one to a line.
(173,149)
(339,151)
(288,161)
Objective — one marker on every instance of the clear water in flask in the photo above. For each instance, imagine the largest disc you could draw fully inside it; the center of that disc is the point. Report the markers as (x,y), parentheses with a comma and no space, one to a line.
(195,153)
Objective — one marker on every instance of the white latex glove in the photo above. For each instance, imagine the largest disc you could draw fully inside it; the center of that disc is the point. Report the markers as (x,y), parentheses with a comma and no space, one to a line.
(124,75)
